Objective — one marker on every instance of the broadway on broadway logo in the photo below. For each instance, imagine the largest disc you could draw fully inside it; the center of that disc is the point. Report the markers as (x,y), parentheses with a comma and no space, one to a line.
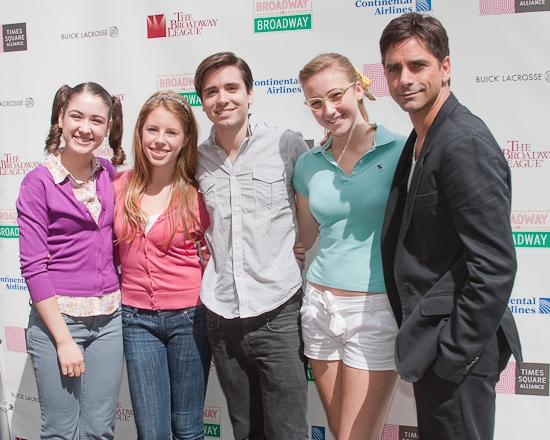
(180,25)
(282,15)
(500,7)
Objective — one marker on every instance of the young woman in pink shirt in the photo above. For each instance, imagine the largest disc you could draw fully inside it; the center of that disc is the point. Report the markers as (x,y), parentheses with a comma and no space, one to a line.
(65,214)
(160,220)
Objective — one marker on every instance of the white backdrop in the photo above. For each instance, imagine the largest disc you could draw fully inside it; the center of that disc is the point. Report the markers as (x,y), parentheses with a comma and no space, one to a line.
(500,69)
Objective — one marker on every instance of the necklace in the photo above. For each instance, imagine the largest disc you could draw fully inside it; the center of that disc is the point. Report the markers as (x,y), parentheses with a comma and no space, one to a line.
(345,148)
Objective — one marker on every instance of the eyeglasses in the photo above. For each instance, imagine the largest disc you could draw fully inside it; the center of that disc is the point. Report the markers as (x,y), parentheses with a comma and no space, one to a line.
(334,97)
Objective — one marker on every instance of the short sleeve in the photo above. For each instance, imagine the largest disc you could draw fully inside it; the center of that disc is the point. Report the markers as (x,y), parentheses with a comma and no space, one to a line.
(299,180)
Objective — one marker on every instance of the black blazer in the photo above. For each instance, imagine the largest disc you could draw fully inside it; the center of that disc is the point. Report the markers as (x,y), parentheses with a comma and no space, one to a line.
(447,249)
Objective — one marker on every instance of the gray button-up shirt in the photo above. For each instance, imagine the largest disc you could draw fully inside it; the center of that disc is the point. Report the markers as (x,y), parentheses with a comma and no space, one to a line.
(253,225)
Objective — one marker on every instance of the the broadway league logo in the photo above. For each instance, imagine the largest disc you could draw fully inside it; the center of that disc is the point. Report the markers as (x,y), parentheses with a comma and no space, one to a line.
(123,414)
(14,37)
(521,154)
(156,26)
(499,7)
(182,25)
(318,433)
(379,87)
(399,432)
(530,379)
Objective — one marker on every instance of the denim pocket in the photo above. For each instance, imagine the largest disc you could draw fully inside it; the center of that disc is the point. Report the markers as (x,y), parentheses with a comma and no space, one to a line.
(128,315)
(212,321)
(195,315)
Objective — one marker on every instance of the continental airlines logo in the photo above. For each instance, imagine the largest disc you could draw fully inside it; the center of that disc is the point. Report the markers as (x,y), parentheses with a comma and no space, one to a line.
(182,83)
(529,306)
(499,7)
(279,85)
(282,15)
(384,7)
(180,24)
(14,37)
(530,379)
(379,86)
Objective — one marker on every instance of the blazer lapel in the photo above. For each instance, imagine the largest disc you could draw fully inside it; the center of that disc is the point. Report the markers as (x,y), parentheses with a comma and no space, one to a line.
(447,107)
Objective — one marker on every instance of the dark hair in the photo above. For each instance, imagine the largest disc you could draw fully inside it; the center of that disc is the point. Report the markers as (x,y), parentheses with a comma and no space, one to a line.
(221,59)
(60,103)
(426,29)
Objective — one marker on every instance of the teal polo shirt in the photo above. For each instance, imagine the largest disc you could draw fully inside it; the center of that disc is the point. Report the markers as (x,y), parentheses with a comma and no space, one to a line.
(350,211)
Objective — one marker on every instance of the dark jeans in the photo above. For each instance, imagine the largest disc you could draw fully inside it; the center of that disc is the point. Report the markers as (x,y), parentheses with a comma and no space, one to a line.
(463,411)
(262,370)
(168,360)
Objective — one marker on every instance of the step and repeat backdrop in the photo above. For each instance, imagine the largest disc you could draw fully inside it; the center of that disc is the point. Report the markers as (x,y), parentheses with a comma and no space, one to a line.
(500,70)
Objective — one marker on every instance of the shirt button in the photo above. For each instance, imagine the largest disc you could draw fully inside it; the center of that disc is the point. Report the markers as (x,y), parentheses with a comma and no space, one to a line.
(236,241)
(233,177)
(361,161)
(236,209)
(99,251)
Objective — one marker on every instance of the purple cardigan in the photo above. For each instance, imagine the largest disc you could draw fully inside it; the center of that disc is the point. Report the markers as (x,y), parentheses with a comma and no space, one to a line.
(62,249)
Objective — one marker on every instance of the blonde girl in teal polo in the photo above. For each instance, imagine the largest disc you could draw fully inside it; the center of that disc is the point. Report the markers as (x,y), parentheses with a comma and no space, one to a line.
(342,188)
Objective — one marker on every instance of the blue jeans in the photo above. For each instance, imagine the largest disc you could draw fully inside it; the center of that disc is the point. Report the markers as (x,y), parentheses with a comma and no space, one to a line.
(168,360)
(78,407)
(262,370)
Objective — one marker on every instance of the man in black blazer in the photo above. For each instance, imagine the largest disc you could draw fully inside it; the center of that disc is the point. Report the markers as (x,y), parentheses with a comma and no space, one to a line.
(447,247)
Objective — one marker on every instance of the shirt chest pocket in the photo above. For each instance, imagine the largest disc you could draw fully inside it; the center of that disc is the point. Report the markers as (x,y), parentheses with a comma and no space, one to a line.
(269,186)
(208,191)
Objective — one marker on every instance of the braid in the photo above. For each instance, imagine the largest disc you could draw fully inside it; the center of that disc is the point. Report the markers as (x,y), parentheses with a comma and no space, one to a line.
(54,136)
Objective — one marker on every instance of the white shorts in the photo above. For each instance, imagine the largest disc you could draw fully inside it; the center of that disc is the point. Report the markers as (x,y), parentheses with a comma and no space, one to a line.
(359,330)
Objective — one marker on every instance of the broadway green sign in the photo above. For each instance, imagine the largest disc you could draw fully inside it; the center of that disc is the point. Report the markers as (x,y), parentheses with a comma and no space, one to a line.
(532,239)
(282,23)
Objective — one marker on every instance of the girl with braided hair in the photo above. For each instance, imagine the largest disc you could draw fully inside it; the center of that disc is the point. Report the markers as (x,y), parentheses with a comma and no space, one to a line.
(65,215)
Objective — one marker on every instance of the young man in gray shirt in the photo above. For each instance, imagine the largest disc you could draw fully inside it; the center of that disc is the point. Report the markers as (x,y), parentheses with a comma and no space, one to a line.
(252,284)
